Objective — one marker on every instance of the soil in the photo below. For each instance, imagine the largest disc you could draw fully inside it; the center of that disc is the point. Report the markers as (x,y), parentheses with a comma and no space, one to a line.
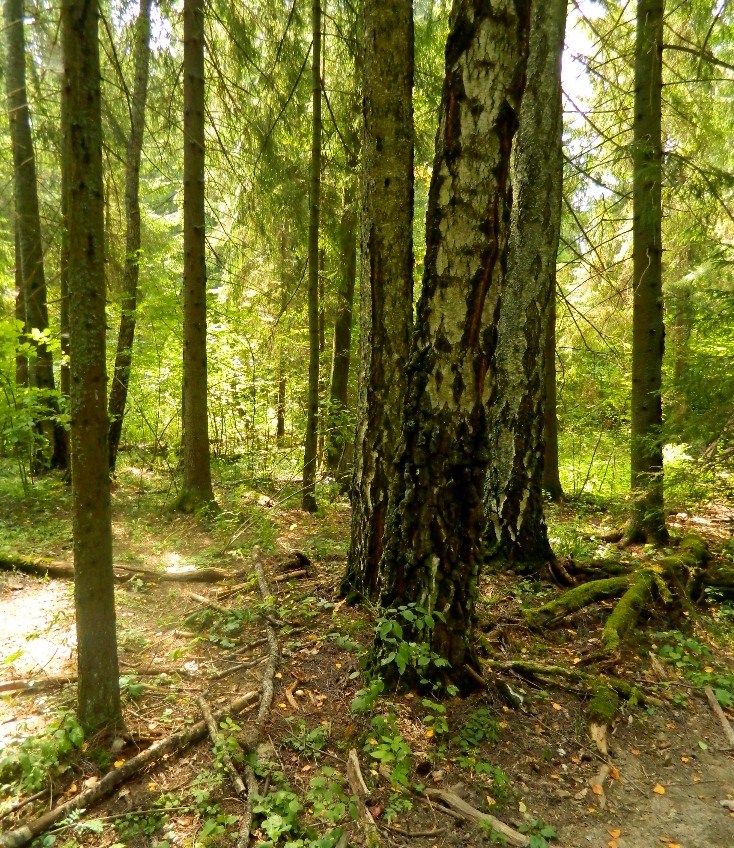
(664,778)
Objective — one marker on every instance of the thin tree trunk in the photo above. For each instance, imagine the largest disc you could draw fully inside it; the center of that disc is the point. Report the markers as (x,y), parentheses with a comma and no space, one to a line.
(21,360)
(551,477)
(337,430)
(517,530)
(433,541)
(309,456)
(29,227)
(126,336)
(386,309)
(647,519)
(197,481)
(98,686)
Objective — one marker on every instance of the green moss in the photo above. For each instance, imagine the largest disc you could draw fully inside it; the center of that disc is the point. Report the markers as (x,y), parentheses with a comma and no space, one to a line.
(576,599)
(624,616)
(603,706)
(695,546)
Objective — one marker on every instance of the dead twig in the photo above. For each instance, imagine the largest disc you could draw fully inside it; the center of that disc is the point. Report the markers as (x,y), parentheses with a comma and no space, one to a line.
(452,800)
(360,791)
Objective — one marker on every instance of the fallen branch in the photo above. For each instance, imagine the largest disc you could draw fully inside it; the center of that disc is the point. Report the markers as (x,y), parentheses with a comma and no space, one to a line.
(46,567)
(177,742)
(224,753)
(452,800)
(719,713)
(361,793)
(623,617)
(266,701)
(17,805)
(31,686)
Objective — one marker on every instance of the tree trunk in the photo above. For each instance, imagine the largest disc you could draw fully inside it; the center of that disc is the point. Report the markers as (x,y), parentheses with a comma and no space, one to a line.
(514,495)
(98,688)
(312,422)
(647,519)
(29,229)
(197,481)
(337,430)
(386,277)
(126,336)
(551,476)
(433,541)
(21,360)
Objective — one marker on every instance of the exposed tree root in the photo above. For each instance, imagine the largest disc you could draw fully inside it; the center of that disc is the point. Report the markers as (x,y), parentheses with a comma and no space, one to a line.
(176,743)
(591,682)
(677,579)
(576,599)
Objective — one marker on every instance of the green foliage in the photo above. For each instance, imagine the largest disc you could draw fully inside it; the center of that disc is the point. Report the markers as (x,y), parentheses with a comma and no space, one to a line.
(694,661)
(305,741)
(539,833)
(414,651)
(435,718)
(387,746)
(30,764)
(480,727)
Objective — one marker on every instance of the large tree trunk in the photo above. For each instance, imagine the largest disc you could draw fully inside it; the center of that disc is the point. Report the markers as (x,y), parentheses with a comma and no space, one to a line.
(29,227)
(338,435)
(647,519)
(98,688)
(551,477)
(197,481)
(126,336)
(433,541)
(312,420)
(386,277)
(516,527)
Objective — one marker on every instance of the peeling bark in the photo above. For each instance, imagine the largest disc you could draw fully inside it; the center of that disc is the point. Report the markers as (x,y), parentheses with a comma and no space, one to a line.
(433,542)
(514,497)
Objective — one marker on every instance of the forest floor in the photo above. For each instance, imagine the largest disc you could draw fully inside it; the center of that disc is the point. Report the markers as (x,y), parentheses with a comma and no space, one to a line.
(535,766)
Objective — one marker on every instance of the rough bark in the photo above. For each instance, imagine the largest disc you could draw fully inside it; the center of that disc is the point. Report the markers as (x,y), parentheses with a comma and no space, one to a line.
(647,519)
(126,334)
(28,223)
(197,481)
(433,541)
(312,421)
(517,529)
(338,431)
(551,476)
(98,689)
(386,308)
(21,360)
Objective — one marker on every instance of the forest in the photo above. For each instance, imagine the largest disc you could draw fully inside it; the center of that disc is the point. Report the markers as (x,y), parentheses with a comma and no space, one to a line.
(367,423)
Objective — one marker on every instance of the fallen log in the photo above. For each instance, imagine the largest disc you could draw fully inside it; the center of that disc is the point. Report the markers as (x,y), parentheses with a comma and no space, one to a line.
(47,567)
(177,742)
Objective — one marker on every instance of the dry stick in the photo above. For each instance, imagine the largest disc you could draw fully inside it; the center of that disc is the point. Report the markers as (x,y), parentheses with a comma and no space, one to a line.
(360,791)
(451,799)
(224,753)
(719,713)
(30,686)
(266,700)
(13,808)
(25,834)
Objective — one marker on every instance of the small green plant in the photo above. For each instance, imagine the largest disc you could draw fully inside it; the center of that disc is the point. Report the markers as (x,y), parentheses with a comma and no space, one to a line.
(130,687)
(480,726)
(307,741)
(30,763)
(397,803)
(409,653)
(366,698)
(278,814)
(326,795)
(387,746)
(435,718)
(538,832)
(693,660)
